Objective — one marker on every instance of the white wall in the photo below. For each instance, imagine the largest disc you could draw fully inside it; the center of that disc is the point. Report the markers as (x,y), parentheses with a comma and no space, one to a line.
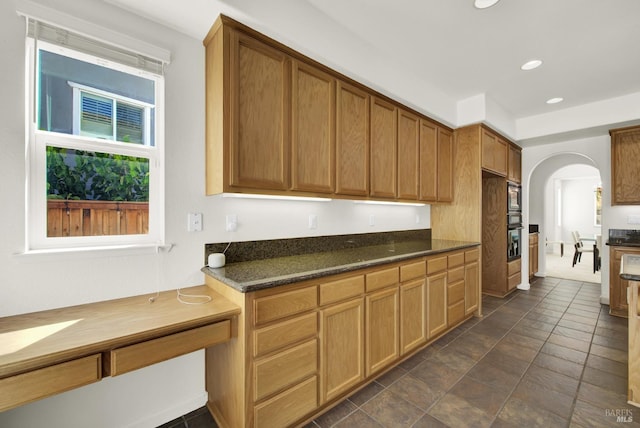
(156,394)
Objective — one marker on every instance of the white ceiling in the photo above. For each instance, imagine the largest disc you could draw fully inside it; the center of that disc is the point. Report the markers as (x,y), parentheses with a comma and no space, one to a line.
(590,48)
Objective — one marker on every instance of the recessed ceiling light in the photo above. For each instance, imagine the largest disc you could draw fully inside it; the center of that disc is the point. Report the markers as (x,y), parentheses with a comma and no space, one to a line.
(483,4)
(530,65)
(554,100)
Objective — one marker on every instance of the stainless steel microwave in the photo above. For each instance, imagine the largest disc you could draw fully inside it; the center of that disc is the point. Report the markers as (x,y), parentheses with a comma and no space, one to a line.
(514,197)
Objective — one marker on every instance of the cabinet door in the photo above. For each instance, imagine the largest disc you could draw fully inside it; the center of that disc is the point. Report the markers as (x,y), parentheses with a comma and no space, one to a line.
(515,165)
(413,316)
(382,329)
(445,165)
(471,287)
(436,303)
(352,141)
(382,174)
(260,96)
(428,161)
(312,129)
(625,166)
(494,153)
(408,155)
(617,286)
(341,348)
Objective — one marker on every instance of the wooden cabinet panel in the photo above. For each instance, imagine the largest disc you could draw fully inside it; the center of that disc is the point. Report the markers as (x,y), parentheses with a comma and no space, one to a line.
(455,260)
(271,338)
(408,155)
(36,384)
(284,369)
(288,407)
(413,315)
(341,348)
(494,153)
(383,146)
(436,264)
(382,278)
(617,286)
(436,304)
(133,357)
(513,274)
(455,274)
(428,161)
(381,327)
(445,166)
(515,165)
(625,166)
(352,141)
(471,287)
(413,270)
(260,97)
(533,254)
(341,289)
(455,290)
(313,107)
(271,308)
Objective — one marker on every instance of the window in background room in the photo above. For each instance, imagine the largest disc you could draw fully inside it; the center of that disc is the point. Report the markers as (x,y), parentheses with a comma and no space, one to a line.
(598,205)
(95,149)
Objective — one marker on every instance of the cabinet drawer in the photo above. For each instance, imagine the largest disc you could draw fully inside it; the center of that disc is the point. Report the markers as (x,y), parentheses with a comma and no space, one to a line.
(285,304)
(513,280)
(436,264)
(34,385)
(455,313)
(513,267)
(455,292)
(455,275)
(286,368)
(286,408)
(533,239)
(412,271)
(455,260)
(133,357)
(471,255)
(277,336)
(341,289)
(382,278)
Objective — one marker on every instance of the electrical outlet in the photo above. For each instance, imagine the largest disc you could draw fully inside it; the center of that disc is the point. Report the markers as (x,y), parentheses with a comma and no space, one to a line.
(313,221)
(372,220)
(633,219)
(231,222)
(194,222)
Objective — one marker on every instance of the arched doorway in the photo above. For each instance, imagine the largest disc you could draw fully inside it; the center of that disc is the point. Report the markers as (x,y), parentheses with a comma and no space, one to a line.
(563,192)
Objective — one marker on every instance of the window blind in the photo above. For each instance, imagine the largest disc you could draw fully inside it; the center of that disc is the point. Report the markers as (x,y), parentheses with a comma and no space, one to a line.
(50,33)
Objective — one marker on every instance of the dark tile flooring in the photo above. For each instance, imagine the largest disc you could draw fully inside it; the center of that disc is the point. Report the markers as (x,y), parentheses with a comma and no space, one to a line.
(548,357)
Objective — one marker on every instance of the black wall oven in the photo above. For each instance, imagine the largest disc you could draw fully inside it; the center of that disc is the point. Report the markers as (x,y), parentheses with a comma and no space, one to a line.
(514,221)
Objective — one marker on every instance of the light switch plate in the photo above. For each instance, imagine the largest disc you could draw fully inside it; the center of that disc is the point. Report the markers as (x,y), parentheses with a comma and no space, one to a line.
(194,222)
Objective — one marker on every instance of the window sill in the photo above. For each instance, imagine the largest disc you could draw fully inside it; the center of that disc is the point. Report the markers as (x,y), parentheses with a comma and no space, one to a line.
(97,251)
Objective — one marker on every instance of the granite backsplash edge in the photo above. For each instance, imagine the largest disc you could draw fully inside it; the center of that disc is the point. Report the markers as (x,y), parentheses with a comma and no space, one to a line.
(266,249)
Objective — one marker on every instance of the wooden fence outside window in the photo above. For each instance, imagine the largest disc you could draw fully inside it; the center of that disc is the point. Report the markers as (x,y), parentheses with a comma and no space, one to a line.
(96,218)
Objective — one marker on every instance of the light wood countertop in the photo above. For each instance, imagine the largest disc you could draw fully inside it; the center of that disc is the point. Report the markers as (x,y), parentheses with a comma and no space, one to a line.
(39,339)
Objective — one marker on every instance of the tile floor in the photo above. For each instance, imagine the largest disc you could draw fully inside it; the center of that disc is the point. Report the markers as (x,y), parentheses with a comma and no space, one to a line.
(548,357)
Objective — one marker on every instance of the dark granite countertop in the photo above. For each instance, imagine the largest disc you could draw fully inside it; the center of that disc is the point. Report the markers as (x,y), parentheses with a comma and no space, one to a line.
(630,267)
(246,276)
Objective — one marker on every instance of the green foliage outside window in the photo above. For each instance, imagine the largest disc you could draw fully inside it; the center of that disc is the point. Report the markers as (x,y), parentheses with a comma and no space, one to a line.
(85,175)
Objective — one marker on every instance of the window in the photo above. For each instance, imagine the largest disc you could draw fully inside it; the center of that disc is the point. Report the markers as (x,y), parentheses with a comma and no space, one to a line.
(95,149)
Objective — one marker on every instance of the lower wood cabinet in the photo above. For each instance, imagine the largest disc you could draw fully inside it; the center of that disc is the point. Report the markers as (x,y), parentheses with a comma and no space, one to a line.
(303,347)
(617,286)
(533,254)
(341,348)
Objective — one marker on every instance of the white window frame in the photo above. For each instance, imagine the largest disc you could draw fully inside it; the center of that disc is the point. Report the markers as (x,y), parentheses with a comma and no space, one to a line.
(77,109)
(37,141)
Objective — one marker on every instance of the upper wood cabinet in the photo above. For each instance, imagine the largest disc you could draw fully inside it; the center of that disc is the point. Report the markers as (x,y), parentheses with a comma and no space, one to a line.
(260,109)
(313,115)
(436,163)
(625,166)
(352,142)
(383,172)
(280,123)
(408,155)
(495,152)
(515,164)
